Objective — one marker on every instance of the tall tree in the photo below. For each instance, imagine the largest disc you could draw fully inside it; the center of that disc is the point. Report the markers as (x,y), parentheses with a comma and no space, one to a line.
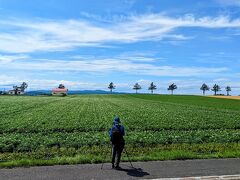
(152,87)
(204,88)
(216,88)
(172,87)
(228,89)
(111,86)
(61,86)
(23,86)
(137,87)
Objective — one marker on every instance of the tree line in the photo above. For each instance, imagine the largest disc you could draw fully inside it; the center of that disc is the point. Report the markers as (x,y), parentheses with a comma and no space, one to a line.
(216,88)
(152,87)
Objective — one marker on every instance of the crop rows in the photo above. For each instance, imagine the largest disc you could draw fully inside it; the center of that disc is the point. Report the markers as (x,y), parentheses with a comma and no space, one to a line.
(30,123)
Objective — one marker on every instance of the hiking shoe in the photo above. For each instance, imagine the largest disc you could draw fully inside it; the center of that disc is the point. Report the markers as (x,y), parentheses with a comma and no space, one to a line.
(113,166)
(118,167)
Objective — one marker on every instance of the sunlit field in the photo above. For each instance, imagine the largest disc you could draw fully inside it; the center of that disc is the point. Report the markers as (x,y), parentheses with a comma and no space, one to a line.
(74,129)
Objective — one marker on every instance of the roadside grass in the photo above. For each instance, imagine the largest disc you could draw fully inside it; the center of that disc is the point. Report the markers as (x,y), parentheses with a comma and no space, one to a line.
(96,154)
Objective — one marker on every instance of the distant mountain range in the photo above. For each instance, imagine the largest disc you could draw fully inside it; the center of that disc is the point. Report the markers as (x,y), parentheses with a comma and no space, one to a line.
(49,92)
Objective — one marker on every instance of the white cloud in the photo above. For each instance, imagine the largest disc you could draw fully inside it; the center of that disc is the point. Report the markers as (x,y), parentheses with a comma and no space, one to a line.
(221,80)
(217,58)
(144,81)
(8,80)
(10,58)
(47,35)
(109,65)
(36,84)
(138,58)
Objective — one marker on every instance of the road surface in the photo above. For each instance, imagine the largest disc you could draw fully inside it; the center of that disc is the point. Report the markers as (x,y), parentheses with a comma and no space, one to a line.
(141,170)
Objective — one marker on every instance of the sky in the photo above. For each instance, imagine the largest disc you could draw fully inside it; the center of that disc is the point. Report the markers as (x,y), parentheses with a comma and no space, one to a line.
(88,44)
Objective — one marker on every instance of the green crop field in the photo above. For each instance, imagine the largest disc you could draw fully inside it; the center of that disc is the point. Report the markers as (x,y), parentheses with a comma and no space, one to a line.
(74,129)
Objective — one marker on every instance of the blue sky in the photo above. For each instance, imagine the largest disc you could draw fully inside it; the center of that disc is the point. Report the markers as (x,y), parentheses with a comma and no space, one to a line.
(87,44)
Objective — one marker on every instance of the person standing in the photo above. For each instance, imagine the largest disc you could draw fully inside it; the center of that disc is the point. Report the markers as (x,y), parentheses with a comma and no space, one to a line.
(116,134)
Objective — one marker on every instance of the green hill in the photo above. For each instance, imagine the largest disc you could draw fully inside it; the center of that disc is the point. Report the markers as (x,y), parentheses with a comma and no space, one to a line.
(74,129)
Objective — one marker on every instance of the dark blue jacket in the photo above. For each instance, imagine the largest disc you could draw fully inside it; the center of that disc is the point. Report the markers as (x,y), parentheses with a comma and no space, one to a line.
(122,131)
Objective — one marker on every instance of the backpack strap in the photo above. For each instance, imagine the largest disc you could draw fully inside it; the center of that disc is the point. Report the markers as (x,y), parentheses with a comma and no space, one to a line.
(119,128)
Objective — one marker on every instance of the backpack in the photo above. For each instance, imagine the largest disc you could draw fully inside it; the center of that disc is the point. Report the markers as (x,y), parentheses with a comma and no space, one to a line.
(117,137)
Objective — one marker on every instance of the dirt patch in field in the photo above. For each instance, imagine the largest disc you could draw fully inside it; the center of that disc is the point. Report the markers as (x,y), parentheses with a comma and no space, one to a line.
(227,97)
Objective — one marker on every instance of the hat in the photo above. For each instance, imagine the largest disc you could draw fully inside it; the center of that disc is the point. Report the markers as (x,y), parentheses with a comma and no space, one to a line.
(117,120)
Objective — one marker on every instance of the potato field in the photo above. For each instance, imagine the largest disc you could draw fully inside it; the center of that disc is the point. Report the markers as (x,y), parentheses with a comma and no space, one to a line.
(40,130)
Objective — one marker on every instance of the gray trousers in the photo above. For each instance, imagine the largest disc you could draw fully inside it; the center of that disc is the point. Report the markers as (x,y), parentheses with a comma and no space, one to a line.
(116,151)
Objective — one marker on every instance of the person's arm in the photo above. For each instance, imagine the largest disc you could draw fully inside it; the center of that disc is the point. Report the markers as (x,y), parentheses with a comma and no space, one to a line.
(110,132)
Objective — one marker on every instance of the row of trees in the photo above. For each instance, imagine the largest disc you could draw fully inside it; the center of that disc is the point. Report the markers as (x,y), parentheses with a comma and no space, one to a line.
(216,88)
(137,87)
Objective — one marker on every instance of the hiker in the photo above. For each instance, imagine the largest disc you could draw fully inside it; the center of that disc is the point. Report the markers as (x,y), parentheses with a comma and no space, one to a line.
(116,134)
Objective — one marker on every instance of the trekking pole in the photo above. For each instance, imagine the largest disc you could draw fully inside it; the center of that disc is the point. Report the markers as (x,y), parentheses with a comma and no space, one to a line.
(128,158)
(105,157)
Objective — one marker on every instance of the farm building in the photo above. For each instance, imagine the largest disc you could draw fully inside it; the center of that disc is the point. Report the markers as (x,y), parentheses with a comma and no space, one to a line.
(18,90)
(61,90)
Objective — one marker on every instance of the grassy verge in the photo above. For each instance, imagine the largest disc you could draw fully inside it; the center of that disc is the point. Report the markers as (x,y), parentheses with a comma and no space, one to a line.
(99,154)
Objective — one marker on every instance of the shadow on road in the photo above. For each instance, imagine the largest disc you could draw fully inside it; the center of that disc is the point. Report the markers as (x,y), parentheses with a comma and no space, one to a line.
(136,172)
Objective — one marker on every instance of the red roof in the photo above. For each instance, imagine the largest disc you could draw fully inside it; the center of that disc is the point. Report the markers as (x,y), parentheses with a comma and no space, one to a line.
(60,90)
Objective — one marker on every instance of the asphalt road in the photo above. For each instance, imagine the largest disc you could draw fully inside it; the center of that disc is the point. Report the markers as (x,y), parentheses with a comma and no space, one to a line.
(141,170)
